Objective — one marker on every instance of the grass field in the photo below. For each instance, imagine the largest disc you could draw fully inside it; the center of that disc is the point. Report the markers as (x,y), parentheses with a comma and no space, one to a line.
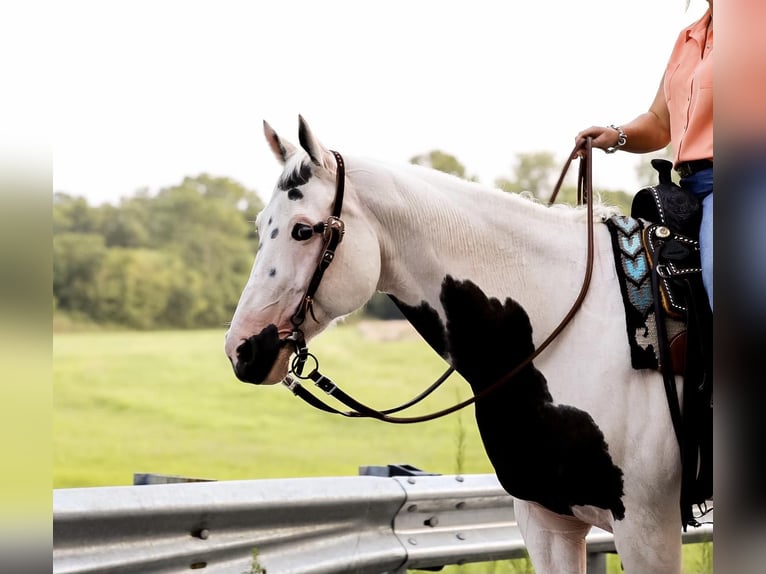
(167,402)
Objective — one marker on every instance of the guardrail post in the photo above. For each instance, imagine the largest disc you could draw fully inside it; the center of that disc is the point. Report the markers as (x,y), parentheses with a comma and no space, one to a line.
(596,563)
(390,470)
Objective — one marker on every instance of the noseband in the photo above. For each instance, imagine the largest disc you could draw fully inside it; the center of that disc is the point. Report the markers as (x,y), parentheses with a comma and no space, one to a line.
(333,229)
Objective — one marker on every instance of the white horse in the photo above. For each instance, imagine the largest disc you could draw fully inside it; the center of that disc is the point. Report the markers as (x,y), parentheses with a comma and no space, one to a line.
(580,438)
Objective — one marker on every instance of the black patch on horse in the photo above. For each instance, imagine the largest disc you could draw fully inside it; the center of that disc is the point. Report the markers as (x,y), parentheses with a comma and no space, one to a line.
(551,454)
(427,323)
(297,177)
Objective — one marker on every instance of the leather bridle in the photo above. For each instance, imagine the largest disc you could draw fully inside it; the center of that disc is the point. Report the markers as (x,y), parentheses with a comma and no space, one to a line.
(333,229)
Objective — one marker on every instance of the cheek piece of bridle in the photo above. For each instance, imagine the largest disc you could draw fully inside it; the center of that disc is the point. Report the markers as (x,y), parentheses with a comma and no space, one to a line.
(332,231)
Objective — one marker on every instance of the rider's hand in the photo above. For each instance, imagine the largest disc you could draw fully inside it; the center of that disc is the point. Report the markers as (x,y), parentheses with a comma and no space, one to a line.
(603,138)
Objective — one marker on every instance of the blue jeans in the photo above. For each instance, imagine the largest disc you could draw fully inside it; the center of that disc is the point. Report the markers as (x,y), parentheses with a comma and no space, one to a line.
(701,185)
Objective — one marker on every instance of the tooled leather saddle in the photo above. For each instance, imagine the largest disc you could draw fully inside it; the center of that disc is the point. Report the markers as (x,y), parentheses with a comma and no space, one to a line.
(669,319)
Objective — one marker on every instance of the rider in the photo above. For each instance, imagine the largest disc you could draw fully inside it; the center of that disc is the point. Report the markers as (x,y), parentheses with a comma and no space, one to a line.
(682,115)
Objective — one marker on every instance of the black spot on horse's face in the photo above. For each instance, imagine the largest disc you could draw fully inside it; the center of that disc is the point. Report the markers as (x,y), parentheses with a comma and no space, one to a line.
(274,233)
(294,194)
(552,454)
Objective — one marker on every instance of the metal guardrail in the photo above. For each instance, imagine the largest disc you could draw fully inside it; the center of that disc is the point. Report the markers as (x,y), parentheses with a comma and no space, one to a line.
(363,524)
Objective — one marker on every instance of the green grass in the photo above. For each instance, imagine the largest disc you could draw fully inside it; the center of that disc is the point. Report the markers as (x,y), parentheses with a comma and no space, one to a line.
(167,402)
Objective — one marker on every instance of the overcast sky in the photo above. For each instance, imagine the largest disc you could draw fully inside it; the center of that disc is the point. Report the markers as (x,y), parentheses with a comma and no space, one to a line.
(147,92)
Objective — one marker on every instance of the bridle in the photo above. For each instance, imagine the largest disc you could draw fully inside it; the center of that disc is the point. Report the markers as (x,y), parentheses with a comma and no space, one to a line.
(332,230)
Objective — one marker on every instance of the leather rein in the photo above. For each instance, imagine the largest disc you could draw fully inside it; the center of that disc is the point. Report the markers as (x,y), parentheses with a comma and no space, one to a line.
(333,230)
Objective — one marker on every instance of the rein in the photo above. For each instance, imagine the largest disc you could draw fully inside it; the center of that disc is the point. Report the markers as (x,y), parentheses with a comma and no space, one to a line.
(333,230)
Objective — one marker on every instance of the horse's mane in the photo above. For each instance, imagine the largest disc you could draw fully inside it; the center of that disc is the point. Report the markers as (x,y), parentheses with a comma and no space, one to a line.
(298,167)
(446,181)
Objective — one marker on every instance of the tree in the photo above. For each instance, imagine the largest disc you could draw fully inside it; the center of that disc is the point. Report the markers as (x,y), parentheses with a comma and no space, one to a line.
(619,199)
(73,214)
(126,225)
(77,258)
(537,173)
(132,287)
(441,161)
(646,174)
(380,306)
(533,173)
(206,222)
(179,258)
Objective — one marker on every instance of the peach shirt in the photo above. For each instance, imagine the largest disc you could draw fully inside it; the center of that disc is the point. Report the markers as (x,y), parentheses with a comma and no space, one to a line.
(688,87)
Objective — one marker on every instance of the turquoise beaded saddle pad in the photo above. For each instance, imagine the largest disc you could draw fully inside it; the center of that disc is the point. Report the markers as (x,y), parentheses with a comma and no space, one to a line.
(635,277)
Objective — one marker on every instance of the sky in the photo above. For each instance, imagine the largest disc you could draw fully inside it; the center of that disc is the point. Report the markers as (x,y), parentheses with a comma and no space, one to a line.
(148,92)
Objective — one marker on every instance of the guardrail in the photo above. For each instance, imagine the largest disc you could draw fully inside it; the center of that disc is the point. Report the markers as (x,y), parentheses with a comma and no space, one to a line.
(362,524)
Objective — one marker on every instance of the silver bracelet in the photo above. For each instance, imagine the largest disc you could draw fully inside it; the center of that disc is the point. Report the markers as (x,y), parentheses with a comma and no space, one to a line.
(622,139)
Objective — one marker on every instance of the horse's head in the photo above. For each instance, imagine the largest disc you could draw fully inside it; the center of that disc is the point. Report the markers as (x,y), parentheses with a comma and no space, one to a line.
(292,230)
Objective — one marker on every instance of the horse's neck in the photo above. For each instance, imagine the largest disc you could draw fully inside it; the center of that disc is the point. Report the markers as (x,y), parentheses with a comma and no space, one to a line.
(431,225)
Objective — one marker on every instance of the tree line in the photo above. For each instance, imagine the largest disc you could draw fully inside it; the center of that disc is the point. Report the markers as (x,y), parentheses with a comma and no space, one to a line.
(180,258)
(175,259)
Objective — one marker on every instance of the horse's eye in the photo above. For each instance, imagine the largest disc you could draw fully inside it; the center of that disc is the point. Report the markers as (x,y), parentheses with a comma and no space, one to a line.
(302,232)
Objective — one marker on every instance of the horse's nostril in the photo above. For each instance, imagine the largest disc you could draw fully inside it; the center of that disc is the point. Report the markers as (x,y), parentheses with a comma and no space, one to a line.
(256,355)
(245,351)
(243,371)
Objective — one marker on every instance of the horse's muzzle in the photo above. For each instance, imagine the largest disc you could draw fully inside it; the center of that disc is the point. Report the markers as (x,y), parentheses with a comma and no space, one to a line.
(256,356)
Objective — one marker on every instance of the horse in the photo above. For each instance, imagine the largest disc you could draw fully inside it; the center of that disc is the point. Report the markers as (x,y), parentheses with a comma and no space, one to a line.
(577,437)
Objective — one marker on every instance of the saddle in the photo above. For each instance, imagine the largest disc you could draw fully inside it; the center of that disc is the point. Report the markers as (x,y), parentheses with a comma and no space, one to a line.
(669,318)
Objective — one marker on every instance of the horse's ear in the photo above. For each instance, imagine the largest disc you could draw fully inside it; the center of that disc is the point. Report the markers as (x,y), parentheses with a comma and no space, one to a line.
(282,149)
(317,152)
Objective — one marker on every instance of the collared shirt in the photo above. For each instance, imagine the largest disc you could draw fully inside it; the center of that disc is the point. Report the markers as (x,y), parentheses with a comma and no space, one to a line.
(688,87)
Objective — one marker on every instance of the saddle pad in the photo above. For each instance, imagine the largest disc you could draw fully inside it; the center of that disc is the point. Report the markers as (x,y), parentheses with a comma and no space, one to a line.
(634,275)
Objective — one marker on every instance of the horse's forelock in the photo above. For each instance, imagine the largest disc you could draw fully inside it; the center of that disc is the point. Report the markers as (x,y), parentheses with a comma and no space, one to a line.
(297,172)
